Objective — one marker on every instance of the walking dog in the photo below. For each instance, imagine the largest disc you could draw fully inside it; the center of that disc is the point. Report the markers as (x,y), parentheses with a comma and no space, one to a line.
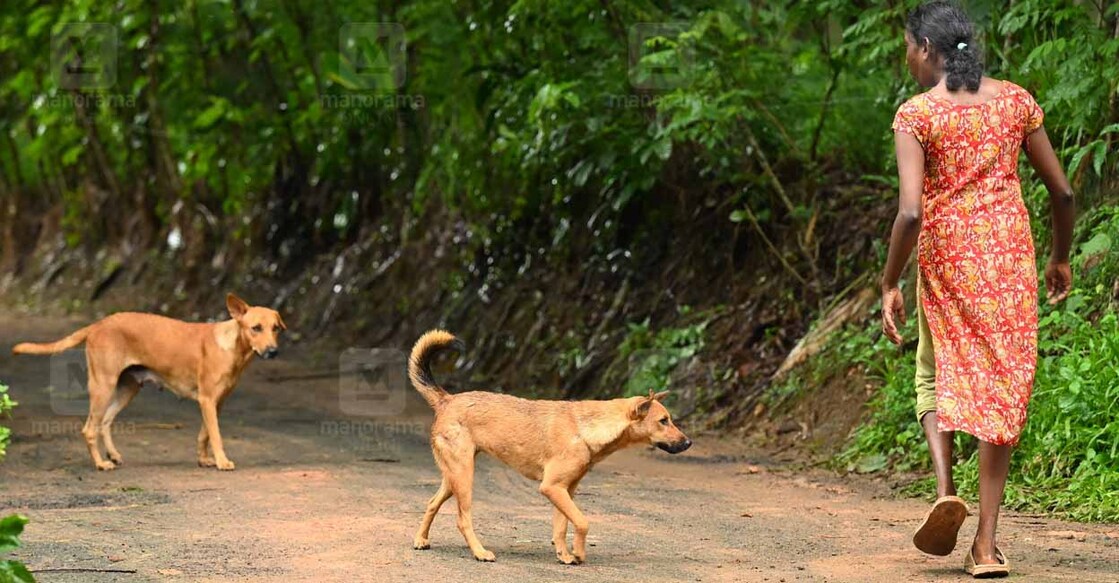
(553,442)
(194,360)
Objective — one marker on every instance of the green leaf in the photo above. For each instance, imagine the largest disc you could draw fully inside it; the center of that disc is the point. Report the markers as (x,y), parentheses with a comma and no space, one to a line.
(10,529)
(15,572)
(871,464)
(211,114)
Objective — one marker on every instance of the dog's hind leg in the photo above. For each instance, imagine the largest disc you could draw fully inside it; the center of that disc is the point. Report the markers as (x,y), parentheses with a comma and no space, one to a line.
(559,531)
(423,540)
(457,462)
(125,391)
(557,486)
(100,397)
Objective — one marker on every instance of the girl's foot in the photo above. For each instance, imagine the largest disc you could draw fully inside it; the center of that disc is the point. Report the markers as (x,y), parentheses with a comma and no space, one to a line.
(938,532)
(986,568)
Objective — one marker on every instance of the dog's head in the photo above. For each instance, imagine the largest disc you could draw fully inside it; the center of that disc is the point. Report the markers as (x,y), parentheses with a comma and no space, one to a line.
(651,421)
(261,327)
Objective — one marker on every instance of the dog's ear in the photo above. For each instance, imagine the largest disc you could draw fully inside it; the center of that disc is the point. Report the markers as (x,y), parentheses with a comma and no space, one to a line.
(280,321)
(641,409)
(659,396)
(236,306)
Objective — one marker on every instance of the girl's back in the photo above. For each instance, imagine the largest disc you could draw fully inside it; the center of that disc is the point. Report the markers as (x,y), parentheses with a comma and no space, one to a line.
(971,149)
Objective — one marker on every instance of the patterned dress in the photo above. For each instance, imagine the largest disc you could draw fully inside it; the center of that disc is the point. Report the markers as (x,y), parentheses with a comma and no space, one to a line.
(976,257)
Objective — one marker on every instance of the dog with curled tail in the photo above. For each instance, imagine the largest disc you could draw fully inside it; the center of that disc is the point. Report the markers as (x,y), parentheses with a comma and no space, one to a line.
(553,442)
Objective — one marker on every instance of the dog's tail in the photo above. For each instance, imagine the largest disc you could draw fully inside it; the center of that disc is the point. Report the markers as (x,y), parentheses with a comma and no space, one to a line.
(52,347)
(419,364)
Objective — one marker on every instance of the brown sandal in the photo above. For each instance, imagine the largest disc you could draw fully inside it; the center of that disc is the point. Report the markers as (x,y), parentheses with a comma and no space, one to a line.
(992,571)
(937,533)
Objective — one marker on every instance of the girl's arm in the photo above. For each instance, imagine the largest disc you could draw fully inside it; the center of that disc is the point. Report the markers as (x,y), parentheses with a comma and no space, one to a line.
(1058,274)
(907,226)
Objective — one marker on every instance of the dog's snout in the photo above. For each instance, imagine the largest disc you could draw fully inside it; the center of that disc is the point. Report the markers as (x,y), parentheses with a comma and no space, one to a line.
(270,353)
(677,447)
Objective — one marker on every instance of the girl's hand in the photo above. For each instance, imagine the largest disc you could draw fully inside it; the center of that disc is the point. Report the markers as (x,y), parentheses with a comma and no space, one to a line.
(893,313)
(1058,280)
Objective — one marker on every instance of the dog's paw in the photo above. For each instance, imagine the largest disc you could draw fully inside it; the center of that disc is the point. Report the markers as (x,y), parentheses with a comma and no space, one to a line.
(116,458)
(567,558)
(485,556)
(421,544)
(225,465)
(206,462)
(106,465)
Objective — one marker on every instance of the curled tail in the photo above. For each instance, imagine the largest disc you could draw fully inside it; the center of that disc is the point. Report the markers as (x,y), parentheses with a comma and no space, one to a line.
(52,347)
(419,364)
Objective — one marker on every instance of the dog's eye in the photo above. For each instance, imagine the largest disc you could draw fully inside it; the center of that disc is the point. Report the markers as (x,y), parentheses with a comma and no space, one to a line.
(664,421)
(276,328)
(258,328)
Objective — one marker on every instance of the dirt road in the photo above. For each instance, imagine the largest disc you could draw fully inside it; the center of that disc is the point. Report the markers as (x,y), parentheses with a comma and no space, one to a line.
(319,495)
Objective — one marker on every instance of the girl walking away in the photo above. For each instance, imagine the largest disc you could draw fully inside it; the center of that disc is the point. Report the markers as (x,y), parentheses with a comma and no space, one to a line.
(961,207)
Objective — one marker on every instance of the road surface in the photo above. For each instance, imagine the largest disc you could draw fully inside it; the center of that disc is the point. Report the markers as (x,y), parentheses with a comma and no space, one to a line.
(322,495)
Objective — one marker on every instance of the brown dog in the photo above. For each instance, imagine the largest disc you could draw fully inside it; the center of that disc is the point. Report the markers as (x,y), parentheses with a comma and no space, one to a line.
(197,361)
(554,442)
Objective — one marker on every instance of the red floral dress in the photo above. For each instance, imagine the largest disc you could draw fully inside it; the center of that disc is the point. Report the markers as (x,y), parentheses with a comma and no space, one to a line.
(976,259)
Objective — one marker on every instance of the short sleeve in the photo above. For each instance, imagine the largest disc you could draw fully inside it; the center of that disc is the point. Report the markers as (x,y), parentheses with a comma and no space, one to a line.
(911,119)
(1032,114)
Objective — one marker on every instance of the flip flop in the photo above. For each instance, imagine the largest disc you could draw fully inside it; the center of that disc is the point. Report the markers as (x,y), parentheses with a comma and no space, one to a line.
(937,533)
(1000,569)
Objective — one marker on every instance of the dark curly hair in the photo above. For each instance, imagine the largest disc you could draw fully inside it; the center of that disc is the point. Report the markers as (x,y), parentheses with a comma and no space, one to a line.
(947,28)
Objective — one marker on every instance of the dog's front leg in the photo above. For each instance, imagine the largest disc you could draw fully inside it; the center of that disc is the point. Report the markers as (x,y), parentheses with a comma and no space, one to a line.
(205,458)
(557,488)
(209,408)
(559,531)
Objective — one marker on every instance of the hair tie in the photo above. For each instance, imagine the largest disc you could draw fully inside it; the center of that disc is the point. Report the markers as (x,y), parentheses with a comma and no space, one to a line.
(961,46)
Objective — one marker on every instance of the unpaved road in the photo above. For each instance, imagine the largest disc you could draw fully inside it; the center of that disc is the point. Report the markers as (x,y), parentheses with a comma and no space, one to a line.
(322,496)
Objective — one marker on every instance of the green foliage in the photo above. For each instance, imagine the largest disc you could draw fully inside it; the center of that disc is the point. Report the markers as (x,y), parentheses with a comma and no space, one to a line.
(1068,459)
(12,571)
(6,406)
(283,127)
(654,355)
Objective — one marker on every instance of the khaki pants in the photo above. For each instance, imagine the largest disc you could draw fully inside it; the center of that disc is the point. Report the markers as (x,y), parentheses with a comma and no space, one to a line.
(925,380)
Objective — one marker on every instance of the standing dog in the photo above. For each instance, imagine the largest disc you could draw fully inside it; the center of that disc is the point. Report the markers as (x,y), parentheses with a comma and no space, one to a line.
(553,442)
(197,361)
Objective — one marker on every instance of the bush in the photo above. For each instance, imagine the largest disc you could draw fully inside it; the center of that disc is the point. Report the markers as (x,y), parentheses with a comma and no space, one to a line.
(6,405)
(12,526)
(12,571)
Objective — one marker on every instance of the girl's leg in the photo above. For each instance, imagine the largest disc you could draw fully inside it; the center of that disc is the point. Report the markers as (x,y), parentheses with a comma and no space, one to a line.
(940,444)
(940,448)
(994,465)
